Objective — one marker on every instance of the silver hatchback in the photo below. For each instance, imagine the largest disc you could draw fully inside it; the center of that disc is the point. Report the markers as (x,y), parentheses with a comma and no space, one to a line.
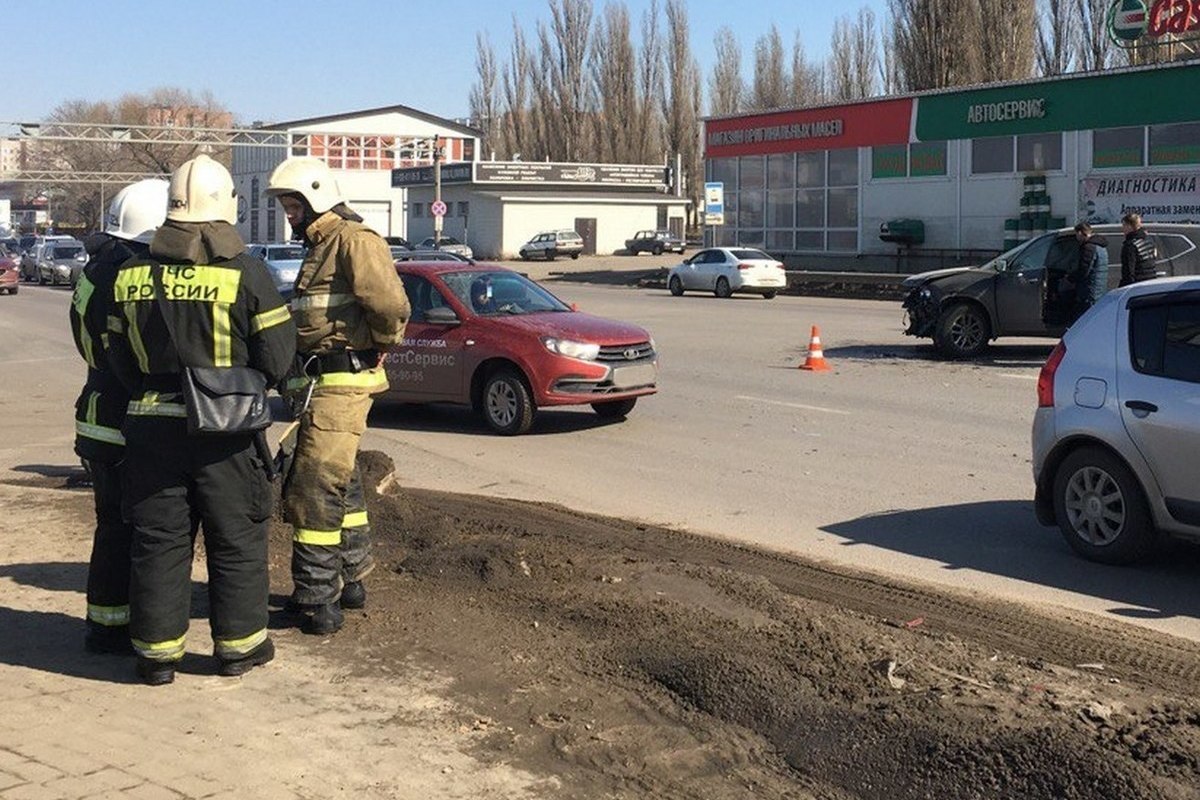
(1116,437)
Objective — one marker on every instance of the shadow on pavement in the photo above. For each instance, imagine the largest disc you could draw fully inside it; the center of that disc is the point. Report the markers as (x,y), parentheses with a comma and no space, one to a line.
(48,641)
(1000,355)
(53,576)
(55,476)
(437,418)
(1003,538)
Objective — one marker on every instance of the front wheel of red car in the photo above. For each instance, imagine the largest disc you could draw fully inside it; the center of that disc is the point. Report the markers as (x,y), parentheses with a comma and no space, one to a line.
(507,405)
(614,409)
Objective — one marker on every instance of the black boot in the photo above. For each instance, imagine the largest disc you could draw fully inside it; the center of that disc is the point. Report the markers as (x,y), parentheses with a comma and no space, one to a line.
(155,673)
(260,655)
(107,640)
(354,595)
(325,620)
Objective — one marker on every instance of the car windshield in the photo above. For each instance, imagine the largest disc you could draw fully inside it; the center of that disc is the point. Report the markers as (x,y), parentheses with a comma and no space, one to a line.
(289,253)
(495,293)
(1001,262)
(67,252)
(751,255)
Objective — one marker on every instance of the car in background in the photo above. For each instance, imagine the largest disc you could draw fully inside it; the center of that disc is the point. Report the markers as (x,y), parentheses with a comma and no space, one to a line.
(656,242)
(1116,432)
(27,241)
(31,254)
(430,255)
(447,244)
(725,271)
(1017,293)
(489,337)
(10,272)
(60,262)
(397,241)
(283,262)
(552,244)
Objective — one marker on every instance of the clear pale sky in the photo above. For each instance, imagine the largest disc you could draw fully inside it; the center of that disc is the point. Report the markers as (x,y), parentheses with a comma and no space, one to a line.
(267,60)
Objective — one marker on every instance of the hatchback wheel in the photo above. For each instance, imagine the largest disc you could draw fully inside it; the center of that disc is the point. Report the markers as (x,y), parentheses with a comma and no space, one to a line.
(507,405)
(1100,508)
(675,285)
(723,289)
(614,409)
(963,331)
(768,295)
(574,256)
(551,255)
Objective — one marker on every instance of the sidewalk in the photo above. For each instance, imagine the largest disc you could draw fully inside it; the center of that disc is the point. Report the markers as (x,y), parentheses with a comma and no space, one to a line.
(75,725)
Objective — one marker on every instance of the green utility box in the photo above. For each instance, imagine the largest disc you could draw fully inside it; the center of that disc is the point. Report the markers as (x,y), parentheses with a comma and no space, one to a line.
(903,231)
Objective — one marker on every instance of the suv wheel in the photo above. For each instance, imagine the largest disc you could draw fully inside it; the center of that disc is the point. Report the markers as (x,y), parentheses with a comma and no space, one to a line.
(507,405)
(963,331)
(1100,508)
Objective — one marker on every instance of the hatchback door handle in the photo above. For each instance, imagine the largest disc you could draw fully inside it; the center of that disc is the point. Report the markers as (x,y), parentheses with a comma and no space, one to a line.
(1141,405)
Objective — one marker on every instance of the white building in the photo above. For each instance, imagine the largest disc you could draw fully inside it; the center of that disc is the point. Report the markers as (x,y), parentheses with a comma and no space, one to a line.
(362,148)
(497,206)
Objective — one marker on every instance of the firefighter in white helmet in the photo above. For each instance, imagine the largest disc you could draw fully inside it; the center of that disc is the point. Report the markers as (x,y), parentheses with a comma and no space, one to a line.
(133,216)
(199,301)
(349,308)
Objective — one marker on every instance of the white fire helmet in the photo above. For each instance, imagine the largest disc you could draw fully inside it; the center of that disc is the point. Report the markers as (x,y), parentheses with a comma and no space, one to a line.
(137,211)
(202,191)
(307,176)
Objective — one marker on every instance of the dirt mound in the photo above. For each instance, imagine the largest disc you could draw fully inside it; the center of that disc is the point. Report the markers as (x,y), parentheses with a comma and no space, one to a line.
(635,661)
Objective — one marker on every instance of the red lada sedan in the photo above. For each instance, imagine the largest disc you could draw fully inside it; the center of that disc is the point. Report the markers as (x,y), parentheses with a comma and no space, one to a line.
(489,337)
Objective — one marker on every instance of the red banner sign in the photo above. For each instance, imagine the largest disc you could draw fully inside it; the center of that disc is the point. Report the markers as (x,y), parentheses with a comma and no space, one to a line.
(858,125)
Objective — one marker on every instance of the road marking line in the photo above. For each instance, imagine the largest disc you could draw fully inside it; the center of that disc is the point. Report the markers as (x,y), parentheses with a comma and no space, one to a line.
(1014,376)
(800,406)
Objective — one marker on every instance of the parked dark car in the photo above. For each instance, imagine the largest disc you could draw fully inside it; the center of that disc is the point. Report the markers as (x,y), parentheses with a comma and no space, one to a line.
(1016,293)
(656,242)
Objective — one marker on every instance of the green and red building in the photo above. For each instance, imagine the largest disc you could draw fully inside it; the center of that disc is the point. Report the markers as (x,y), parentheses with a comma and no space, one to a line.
(978,168)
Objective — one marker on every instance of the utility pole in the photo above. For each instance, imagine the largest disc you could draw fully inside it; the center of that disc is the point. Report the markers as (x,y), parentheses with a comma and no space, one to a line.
(437,193)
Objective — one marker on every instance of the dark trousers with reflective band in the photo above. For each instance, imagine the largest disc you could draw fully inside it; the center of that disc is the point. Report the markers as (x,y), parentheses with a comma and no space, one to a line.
(323,498)
(108,570)
(175,484)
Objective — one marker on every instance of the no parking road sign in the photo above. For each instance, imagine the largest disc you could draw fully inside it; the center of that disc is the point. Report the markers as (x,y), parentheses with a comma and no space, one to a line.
(437,208)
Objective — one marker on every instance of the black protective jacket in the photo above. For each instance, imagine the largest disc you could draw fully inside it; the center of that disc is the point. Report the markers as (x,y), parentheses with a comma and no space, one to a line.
(100,409)
(223,304)
(1138,255)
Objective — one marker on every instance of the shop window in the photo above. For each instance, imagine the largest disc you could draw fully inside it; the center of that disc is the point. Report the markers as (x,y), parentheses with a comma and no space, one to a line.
(752,238)
(752,173)
(810,169)
(843,241)
(750,212)
(1175,144)
(991,155)
(843,208)
(1119,147)
(727,236)
(781,171)
(889,161)
(724,170)
(1039,152)
(810,240)
(843,167)
(927,159)
(810,208)
(781,241)
(781,209)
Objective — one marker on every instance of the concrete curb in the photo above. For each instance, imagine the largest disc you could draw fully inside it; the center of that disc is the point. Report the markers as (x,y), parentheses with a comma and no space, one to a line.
(855,285)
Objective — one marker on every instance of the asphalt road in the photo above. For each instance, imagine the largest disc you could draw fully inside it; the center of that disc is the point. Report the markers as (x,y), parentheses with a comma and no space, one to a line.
(895,462)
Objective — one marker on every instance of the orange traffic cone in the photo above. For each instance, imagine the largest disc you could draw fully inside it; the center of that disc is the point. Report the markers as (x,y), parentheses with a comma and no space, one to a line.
(816,356)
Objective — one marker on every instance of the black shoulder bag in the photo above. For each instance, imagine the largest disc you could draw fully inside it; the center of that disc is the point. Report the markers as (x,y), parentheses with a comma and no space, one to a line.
(219,400)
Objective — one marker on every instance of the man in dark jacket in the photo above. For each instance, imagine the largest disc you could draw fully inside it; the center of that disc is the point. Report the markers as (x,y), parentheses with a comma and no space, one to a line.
(134,215)
(1138,253)
(1091,275)
(224,312)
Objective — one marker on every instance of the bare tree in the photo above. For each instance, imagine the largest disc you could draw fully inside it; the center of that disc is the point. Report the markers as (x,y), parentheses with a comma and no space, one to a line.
(806,81)
(614,78)
(681,101)
(889,68)
(1093,49)
(516,133)
(726,89)
(1056,37)
(647,122)
(1007,32)
(854,57)
(935,42)
(484,104)
(562,89)
(770,88)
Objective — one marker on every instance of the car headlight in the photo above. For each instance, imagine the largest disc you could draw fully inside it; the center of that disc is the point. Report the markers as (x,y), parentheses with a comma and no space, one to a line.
(584,351)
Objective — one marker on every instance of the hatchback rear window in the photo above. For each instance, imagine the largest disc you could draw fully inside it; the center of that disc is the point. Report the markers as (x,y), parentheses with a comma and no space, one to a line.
(1165,340)
(66,252)
(751,254)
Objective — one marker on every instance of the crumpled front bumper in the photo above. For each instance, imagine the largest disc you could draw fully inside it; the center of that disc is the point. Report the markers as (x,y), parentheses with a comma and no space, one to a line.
(921,307)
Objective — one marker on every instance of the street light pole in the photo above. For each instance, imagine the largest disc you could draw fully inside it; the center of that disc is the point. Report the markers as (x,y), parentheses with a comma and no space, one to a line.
(437,192)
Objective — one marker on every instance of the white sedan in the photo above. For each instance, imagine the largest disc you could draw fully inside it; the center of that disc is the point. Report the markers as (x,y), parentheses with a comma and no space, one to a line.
(725,270)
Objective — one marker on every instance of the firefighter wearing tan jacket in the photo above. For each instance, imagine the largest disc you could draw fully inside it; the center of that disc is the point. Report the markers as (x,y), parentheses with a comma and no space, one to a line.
(349,308)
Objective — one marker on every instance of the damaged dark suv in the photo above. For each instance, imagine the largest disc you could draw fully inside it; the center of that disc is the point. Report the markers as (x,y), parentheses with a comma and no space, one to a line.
(1016,293)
